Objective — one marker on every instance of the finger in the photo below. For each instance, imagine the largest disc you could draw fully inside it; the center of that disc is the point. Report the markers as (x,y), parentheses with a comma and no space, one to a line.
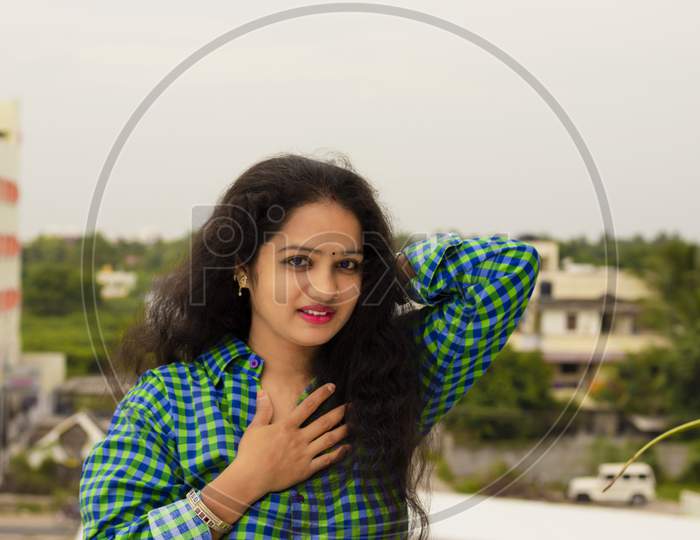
(310,404)
(325,423)
(263,410)
(324,460)
(327,440)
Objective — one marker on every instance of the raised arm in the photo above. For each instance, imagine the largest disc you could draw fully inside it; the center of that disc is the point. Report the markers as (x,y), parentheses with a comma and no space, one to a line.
(474,292)
(131,485)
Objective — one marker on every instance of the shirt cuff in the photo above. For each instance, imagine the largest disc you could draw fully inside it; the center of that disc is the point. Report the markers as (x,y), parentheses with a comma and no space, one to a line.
(425,257)
(177,520)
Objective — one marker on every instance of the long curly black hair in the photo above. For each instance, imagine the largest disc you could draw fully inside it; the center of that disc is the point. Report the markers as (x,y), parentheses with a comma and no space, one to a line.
(373,359)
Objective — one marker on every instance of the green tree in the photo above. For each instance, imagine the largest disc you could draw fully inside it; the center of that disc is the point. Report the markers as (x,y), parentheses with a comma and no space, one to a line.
(54,288)
(511,400)
(665,381)
(648,373)
(674,273)
(634,253)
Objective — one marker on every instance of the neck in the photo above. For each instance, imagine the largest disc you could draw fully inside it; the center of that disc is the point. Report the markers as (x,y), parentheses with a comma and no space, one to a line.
(283,359)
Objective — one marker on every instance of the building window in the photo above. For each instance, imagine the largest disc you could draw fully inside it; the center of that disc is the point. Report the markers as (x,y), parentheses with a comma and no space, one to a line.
(568,368)
(546,289)
(571,321)
(606,323)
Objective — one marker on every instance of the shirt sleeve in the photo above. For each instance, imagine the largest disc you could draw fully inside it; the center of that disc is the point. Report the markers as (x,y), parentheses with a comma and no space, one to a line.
(131,485)
(474,292)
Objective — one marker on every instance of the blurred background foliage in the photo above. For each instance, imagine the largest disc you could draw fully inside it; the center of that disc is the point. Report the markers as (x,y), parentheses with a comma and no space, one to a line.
(511,402)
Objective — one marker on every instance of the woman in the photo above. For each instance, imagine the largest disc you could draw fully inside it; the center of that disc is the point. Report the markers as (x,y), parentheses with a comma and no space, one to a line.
(292,285)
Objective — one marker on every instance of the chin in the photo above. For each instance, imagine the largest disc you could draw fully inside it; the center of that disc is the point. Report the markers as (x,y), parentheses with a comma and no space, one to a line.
(316,335)
(311,340)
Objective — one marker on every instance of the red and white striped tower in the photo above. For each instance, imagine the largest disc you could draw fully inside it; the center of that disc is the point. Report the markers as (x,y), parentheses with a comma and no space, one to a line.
(10,248)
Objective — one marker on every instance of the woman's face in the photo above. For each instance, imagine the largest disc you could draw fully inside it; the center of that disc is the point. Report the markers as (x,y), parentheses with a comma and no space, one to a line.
(314,259)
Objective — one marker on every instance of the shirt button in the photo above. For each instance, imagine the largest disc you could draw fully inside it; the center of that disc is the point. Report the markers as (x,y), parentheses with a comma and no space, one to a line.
(297,497)
(254,362)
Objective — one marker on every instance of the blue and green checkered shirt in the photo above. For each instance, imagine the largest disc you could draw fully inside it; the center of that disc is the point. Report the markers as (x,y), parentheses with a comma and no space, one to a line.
(179,425)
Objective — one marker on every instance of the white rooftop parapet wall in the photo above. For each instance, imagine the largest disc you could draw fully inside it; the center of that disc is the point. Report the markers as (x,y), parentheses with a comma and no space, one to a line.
(498,518)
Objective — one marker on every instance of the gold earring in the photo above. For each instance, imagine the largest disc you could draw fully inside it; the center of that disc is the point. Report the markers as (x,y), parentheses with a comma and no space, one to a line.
(241,283)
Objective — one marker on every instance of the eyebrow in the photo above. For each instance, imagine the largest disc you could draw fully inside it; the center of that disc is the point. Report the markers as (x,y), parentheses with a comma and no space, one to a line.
(312,250)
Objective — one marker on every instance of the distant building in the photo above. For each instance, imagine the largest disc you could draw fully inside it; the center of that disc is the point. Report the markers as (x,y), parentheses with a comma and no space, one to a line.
(115,283)
(84,393)
(49,372)
(570,317)
(65,440)
(132,260)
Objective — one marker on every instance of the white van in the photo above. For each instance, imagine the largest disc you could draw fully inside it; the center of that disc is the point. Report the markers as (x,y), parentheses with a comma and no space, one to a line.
(637,486)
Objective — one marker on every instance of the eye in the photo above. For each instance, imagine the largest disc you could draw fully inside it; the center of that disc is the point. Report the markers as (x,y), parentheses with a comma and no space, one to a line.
(294,262)
(296,257)
(355,265)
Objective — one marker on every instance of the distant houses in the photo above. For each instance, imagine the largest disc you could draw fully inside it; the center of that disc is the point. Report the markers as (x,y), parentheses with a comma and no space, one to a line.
(67,440)
(581,316)
(115,283)
(66,416)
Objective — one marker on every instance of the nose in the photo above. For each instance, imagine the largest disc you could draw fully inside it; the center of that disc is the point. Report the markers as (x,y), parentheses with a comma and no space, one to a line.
(323,284)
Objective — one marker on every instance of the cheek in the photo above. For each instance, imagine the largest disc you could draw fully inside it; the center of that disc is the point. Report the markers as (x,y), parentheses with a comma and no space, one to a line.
(350,294)
(353,287)
(294,286)
(284,288)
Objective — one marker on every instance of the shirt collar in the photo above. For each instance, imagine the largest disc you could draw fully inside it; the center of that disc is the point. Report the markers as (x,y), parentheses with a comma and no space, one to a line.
(228,349)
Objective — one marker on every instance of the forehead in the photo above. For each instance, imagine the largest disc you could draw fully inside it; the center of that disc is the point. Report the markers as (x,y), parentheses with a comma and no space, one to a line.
(326,226)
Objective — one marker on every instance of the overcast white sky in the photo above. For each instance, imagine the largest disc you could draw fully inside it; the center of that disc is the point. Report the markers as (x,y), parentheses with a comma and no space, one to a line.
(448,134)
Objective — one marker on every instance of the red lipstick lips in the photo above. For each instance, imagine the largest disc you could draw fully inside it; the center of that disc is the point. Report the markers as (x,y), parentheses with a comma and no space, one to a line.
(316,313)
